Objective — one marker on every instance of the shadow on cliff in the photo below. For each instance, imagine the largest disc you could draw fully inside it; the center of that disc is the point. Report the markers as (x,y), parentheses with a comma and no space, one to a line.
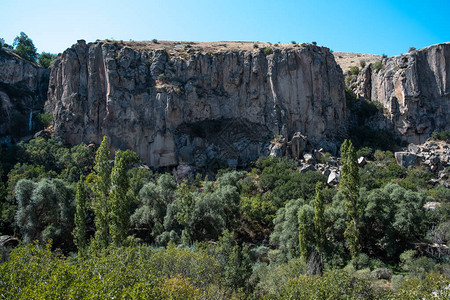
(362,129)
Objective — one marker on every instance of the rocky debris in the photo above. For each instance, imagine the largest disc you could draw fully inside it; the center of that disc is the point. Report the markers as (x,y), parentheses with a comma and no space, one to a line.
(174,107)
(406,159)
(433,155)
(307,167)
(23,90)
(414,90)
(8,241)
(432,205)
(362,161)
(333,178)
(330,168)
(183,172)
(309,158)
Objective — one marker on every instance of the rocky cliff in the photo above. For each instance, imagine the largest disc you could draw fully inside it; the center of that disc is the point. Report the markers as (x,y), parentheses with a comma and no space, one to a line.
(414,88)
(23,90)
(196,103)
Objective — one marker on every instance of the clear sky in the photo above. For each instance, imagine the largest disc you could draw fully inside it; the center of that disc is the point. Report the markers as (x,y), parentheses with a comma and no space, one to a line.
(365,26)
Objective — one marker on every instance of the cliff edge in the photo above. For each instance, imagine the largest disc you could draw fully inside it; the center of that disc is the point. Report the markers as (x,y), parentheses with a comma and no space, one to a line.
(196,103)
(414,89)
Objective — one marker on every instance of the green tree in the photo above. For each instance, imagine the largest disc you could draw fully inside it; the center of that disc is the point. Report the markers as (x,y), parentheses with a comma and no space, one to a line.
(319,221)
(45,211)
(349,186)
(306,230)
(286,229)
(235,261)
(101,188)
(119,202)
(46,59)
(24,47)
(79,232)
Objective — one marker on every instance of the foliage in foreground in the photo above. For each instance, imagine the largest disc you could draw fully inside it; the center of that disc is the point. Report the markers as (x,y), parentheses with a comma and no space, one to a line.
(115,273)
(142,272)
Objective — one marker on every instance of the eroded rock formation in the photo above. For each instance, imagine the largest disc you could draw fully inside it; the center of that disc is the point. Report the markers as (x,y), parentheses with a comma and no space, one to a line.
(414,88)
(181,105)
(23,90)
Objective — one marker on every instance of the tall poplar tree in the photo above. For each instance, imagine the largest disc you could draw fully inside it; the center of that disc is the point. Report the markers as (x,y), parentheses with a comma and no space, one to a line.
(306,231)
(349,185)
(120,204)
(79,232)
(319,220)
(101,188)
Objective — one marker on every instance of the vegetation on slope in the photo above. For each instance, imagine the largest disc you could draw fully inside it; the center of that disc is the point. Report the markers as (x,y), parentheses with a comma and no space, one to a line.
(121,230)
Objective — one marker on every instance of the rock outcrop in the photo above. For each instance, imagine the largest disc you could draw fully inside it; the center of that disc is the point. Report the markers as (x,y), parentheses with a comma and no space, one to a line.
(23,90)
(179,104)
(433,155)
(414,88)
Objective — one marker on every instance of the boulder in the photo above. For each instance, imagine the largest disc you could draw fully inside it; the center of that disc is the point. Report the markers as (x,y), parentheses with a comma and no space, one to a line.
(362,161)
(307,167)
(406,159)
(309,158)
(333,178)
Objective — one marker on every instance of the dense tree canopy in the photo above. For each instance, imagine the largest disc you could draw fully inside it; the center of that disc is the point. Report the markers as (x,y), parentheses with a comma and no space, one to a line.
(235,233)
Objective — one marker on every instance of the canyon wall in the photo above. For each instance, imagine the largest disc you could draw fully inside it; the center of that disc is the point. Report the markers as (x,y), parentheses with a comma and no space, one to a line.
(185,105)
(23,90)
(414,89)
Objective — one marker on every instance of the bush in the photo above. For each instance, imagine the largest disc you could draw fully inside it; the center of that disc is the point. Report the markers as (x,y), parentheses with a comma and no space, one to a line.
(441,136)
(362,63)
(354,70)
(378,65)
(45,119)
(116,273)
(332,285)
(268,51)
(46,59)
(382,273)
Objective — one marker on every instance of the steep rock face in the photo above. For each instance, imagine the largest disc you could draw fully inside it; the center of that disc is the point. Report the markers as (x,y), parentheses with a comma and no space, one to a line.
(23,90)
(414,88)
(199,108)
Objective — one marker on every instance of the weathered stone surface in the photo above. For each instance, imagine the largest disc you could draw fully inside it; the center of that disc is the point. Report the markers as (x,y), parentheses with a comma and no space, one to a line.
(333,178)
(362,161)
(23,90)
(309,158)
(406,159)
(307,167)
(414,88)
(433,155)
(172,109)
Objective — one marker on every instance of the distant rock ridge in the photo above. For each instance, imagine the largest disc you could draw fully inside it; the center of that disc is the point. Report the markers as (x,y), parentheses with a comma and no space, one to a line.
(414,89)
(186,106)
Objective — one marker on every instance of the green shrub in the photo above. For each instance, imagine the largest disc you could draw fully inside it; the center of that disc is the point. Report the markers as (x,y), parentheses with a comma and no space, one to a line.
(354,70)
(45,119)
(46,59)
(268,51)
(362,63)
(116,273)
(377,65)
(441,136)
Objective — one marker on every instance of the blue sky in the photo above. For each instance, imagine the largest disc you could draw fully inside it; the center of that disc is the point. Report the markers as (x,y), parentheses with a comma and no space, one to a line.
(365,26)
